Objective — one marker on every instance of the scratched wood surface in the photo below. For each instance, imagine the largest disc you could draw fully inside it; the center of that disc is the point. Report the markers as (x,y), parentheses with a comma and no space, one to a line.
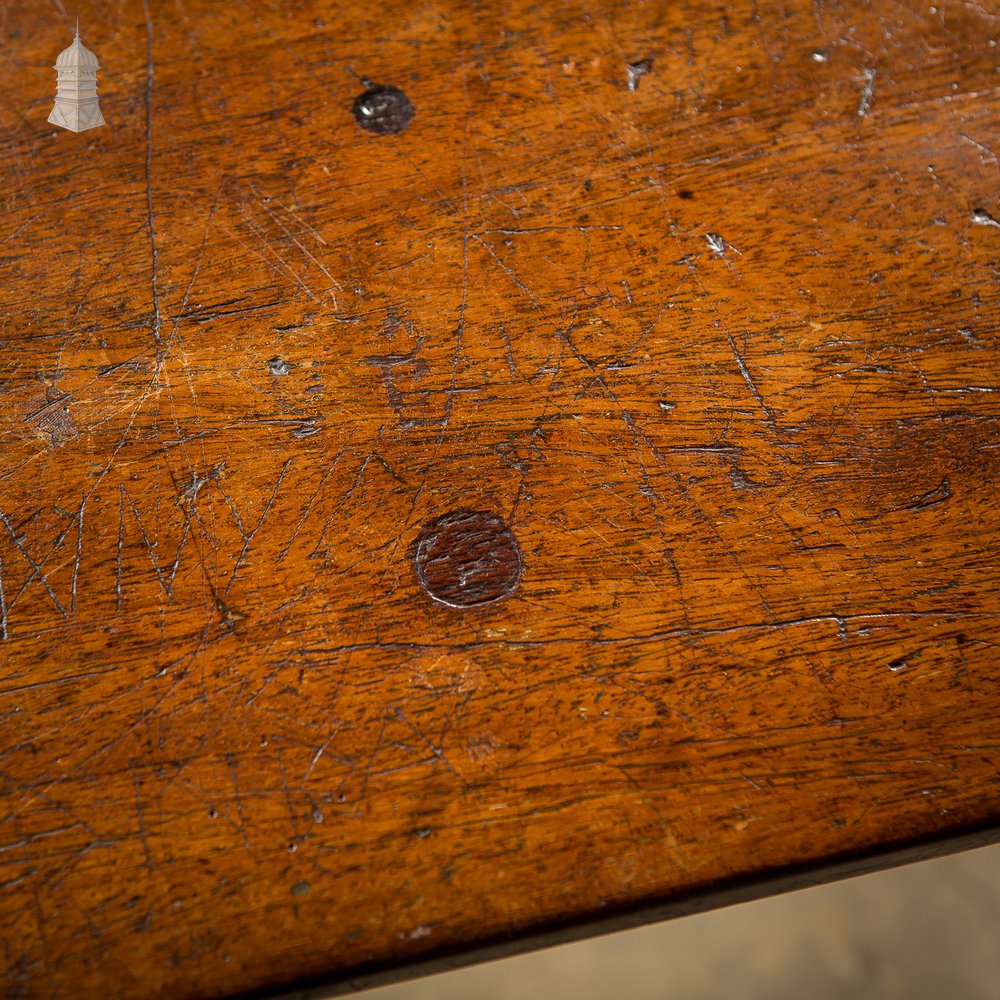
(575,505)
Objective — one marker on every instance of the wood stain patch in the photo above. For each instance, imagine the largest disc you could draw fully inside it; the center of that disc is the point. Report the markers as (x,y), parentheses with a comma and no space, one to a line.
(467,558)
(48,414)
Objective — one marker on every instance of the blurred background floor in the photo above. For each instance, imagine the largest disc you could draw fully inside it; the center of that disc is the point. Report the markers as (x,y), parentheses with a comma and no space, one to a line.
(928,931)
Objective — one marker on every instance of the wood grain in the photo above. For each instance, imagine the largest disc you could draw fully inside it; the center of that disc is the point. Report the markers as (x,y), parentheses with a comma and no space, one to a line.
(715,340)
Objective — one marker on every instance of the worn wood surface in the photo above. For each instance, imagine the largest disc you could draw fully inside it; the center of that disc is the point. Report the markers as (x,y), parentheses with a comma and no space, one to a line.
(681,398)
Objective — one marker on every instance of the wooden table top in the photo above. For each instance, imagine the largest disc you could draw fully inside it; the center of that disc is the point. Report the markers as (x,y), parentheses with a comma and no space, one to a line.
(475,474)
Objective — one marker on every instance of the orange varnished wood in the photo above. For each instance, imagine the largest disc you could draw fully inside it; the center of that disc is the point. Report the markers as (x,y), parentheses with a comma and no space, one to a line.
(720,351)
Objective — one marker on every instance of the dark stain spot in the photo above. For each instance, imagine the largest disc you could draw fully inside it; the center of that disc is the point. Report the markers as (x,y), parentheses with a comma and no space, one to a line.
(301,888)
(685,195)
(278,367)
(634,72)
(466,558)
(384,110)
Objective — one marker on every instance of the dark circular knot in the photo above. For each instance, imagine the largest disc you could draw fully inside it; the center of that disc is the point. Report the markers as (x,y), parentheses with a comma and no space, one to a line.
(383,110)
(468,557)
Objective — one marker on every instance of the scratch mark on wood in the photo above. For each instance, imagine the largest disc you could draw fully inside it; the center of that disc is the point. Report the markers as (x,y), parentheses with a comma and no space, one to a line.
(745,372)
(312,500)
(289,804)
(3,605)
(143,835)
(865,103)
(939,494)
(315,759)
(988,153)
(247,539)
(544,229)
(49,682)
(118,552)
(510,353)
(506,270)
(238,801)
(371,759)
(347,496)
(35,567)
(430,746)
(149,545)
(305,250)
(154,252)
(43,935)
(79,553)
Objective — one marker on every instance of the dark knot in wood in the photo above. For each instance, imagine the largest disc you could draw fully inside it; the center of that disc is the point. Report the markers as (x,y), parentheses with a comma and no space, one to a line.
(466,558)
